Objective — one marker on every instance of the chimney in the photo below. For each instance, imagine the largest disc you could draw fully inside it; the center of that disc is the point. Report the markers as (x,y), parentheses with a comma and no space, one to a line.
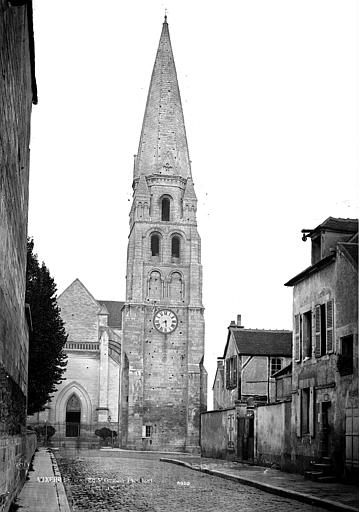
(239,321)
(220,363)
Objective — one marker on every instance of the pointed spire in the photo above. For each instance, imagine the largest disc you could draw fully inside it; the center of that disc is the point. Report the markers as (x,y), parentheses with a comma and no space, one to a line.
(189,193)
(163,143)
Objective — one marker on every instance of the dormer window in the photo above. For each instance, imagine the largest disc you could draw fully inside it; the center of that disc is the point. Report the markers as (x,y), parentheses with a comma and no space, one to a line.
(165,209)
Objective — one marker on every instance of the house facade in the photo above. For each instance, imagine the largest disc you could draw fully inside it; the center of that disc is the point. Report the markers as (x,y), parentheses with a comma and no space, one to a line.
(244,380)
(250,360)
(325,385)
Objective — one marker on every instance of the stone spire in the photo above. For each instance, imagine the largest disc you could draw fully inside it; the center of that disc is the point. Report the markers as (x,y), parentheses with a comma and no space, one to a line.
(163,143)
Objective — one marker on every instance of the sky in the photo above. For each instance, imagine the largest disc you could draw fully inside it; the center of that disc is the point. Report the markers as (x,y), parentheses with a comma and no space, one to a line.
(270,98)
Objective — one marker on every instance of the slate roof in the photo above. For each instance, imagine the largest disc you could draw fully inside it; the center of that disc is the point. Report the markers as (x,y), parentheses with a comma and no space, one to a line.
(114,309)
(337,224)
(258,342)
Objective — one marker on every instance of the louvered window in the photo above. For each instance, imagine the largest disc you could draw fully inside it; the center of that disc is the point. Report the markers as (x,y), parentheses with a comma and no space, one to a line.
(330,314)
(297,348)
(231,372)
(324,328)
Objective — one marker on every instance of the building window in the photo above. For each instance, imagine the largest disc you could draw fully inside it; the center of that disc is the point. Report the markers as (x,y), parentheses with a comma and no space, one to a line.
(166,209)
(275,365)
(345,358)
(155,245)
(307,334)
(146,431)
(231,372)
(305,411)
(324,322)
(175,247)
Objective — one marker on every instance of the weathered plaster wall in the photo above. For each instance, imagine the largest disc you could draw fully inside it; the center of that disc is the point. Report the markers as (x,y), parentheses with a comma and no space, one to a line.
(272,435)
(215,433)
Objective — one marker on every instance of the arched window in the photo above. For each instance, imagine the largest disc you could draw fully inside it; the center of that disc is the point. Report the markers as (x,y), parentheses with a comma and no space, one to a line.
(155,245)
(166,208)
(175,247)
(175,287)
(155,285)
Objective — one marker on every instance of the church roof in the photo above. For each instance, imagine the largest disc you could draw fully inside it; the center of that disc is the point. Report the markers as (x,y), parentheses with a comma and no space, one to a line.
(163,143)
(114,308)
(258,342)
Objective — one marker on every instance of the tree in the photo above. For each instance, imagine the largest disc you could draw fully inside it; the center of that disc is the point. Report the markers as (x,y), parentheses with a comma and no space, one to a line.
(47,359)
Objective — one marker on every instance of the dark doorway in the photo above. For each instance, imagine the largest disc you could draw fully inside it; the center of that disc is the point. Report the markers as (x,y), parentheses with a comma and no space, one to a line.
(325,429)
(73,416)
(245,438)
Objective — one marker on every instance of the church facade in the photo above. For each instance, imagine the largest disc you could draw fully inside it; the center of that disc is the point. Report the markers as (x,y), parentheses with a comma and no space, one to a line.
(137,367)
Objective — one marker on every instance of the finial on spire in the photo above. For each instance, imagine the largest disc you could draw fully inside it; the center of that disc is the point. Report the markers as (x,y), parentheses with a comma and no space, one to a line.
(165,16)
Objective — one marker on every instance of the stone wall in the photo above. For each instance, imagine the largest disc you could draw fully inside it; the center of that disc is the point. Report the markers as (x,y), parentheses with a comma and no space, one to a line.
(215,433)
(272,435)
(17,91)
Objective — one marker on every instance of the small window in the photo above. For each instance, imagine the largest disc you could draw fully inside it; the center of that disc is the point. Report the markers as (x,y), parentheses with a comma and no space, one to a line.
(275,365)
(231,372)
(166,208)
(146,431)
(323,330)
(345,359)
(155,245)
(307,334)
(175,249)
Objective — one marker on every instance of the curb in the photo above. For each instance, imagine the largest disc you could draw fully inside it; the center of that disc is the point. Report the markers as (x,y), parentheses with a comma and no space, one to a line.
(62,501)
(280,491)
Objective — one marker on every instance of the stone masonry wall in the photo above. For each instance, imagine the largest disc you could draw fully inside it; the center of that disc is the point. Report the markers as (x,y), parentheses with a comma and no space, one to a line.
(16,96)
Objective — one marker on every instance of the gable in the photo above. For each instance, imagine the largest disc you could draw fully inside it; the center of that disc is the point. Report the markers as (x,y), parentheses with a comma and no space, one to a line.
(79,310)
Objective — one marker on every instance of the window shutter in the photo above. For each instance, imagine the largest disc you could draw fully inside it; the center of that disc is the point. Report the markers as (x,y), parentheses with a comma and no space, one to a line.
(296,338)
(235,371)
(317,331)
(330,322)
(299,408)
(311,411)
(228,369)
(143,430)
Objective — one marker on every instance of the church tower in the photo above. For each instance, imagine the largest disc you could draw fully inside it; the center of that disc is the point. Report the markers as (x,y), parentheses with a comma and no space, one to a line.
(163,381)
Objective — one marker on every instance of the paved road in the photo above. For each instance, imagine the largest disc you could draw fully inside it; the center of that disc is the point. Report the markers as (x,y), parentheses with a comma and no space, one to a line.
(95,482)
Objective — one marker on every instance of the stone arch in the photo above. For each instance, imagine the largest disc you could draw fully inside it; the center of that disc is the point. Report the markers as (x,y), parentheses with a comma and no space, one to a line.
(73,388)
(176,286)
(155,239)
(155,285)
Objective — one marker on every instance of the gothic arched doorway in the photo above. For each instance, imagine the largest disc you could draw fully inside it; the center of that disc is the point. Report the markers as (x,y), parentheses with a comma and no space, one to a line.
(73,416)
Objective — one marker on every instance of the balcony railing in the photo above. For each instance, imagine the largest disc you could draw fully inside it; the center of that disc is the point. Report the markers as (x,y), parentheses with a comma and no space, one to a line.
(75,345)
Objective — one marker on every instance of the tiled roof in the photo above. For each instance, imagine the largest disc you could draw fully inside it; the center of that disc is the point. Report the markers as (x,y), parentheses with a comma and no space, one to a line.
(114,309)
(350,251)
(337,224)
(257,342)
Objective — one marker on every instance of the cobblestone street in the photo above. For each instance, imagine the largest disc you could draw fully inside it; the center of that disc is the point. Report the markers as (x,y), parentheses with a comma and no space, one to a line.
(140,482)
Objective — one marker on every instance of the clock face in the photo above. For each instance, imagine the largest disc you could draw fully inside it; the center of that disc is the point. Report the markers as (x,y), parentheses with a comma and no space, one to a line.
(165,320)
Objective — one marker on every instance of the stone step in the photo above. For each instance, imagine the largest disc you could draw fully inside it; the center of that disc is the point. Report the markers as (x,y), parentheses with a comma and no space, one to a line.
(327,479)
(313,475)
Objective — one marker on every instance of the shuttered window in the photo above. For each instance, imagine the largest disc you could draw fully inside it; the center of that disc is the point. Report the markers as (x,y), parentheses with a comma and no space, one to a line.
(228,362)
(330,322)
(317,332)
(231,372)
(297,349)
